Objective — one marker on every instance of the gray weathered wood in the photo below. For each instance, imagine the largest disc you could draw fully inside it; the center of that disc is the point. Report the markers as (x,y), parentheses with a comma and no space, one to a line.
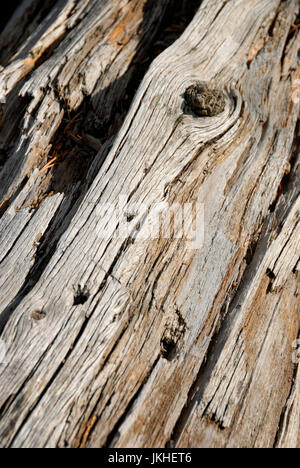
(150,342)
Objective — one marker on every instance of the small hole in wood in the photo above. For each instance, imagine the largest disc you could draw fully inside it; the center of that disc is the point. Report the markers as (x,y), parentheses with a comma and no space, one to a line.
(272,277)
(81,295)
(168,349)
(270,274)
(129,217)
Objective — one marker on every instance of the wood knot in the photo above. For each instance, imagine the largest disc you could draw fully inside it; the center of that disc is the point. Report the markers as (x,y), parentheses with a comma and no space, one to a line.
(38,315)
(203,100)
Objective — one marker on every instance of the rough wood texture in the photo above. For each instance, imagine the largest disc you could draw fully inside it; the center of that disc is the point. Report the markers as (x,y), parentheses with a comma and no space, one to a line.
(138,342)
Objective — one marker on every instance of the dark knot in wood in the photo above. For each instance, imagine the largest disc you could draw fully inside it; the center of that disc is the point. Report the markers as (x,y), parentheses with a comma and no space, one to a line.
(203,100)
(38,315)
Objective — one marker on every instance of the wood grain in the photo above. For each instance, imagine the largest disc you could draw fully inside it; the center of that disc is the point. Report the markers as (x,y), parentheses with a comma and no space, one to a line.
(151,342)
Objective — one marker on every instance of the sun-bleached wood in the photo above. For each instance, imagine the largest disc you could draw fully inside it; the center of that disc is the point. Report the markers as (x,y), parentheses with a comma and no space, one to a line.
(96,373)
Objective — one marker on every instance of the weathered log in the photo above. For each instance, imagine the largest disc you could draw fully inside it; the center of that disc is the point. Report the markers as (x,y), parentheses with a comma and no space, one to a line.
(114,337)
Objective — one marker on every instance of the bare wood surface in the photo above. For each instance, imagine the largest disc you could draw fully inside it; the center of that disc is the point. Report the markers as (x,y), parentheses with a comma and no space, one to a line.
(145,342)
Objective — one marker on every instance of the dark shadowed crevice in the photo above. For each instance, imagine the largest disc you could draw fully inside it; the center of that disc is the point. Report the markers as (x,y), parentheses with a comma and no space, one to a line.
(6,14)
(11,115)
(291,174)
(21,19)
